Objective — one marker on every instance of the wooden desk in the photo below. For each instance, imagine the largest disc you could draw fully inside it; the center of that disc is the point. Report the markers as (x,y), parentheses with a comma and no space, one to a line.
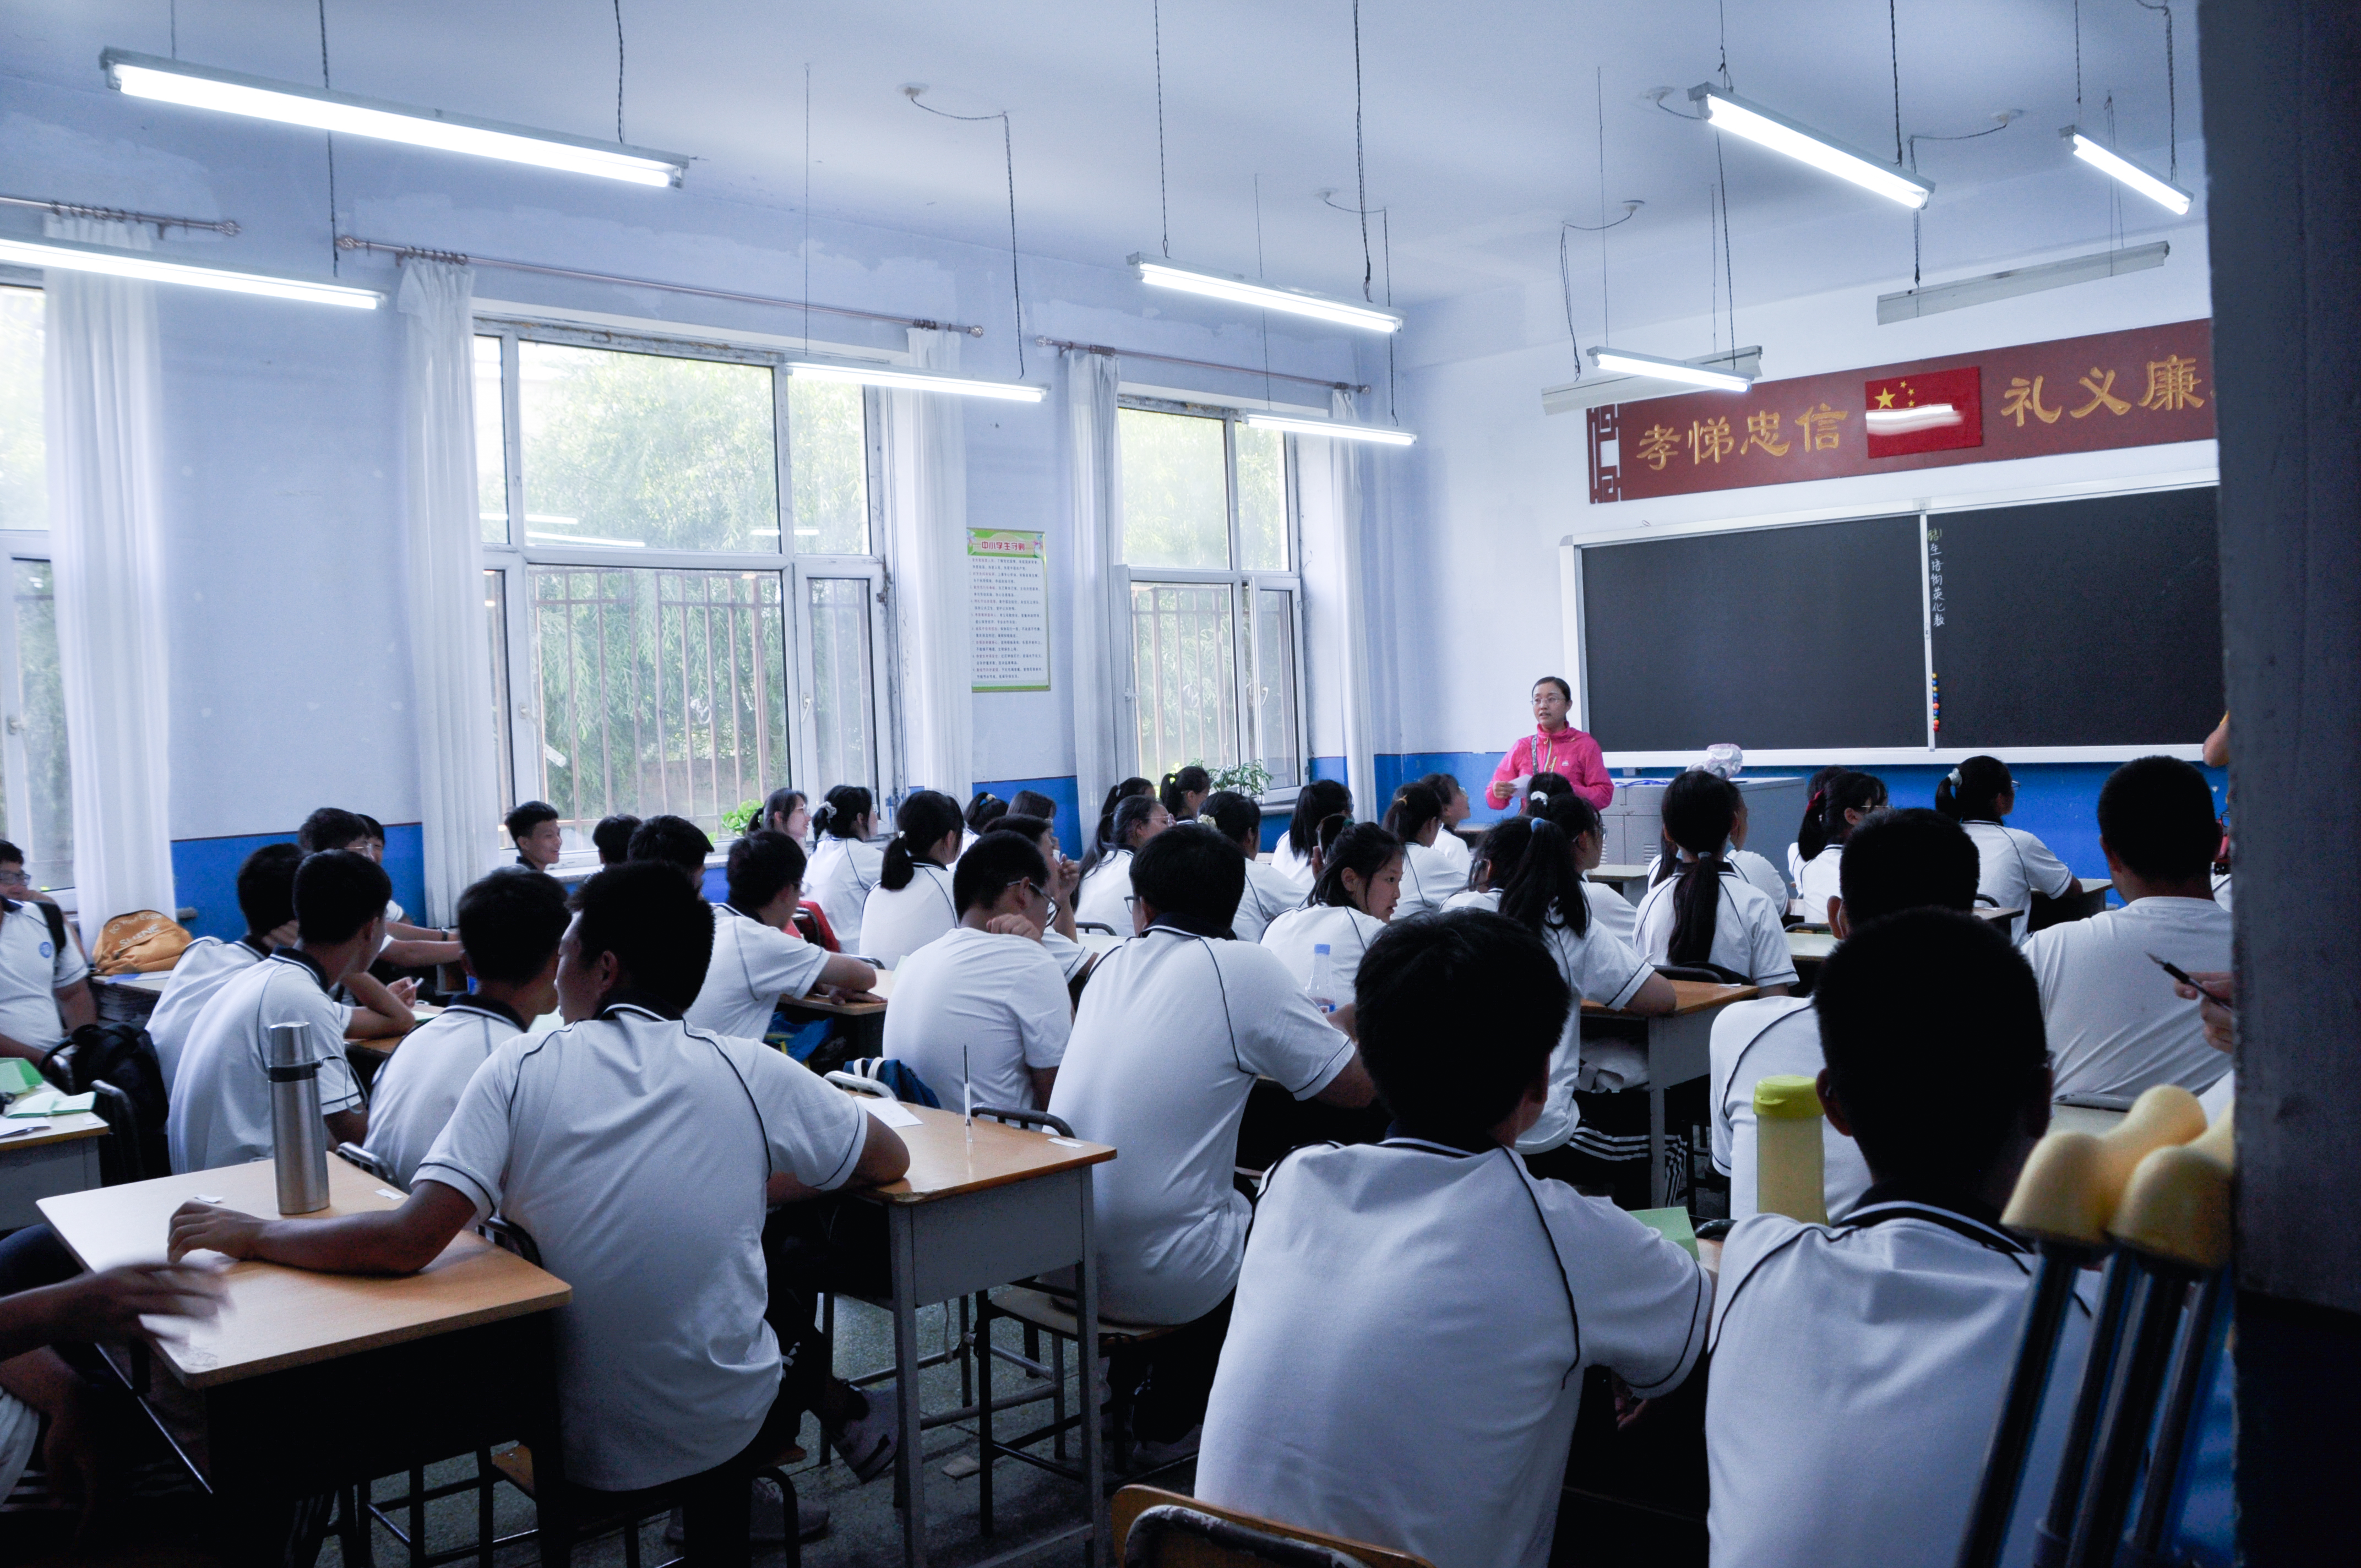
(1680,1047)
(864,1020)
(308,1383)
(1631,881)
(61,1157)
(983,1206)
(128,998)
(1809,948)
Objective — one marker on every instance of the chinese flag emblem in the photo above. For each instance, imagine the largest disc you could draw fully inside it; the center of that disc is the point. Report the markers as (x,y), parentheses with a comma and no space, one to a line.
(1932,411)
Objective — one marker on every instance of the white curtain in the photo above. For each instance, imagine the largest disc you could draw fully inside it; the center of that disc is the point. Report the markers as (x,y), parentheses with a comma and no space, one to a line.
(1095,512)
(926,451)
(450,653)
(1344,459)
(101,396)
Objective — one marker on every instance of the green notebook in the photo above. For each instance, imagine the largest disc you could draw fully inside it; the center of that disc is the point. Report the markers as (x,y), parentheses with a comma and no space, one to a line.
(18,1076)
(1674,1223)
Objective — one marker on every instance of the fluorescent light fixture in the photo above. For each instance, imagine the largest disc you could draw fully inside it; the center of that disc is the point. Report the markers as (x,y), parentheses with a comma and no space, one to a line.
(1239,291)
(231,92)
(1912,303)
(2148,183)
(1903,421)
(1597,390)
(1335,428)
(917,381)
(1669,369)
(1727,112)
(143,266)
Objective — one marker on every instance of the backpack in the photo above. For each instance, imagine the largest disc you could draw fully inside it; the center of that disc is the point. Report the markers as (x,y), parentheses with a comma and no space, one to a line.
(141,942)
(117,1061)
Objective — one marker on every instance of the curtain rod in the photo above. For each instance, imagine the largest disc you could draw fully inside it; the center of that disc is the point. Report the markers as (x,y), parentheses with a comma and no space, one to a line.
(1199,364)
(118,215)
(459,258)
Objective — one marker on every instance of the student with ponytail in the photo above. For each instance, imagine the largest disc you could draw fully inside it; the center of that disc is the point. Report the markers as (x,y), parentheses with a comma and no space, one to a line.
(984,810)
(913,903)
(1107,869)
(1844,800)
(1106,825)
(1268,895)
(844,865)
(1428,875)
(1709,913)
(1494,864)
(1813,793)
(1579,821)
(1750,866)
(1455,810)
(1183,792)
(1315,803)
(2018,867)
(1360,883)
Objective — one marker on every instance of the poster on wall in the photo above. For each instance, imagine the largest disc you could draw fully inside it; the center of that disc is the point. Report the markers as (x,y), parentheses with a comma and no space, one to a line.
(1008,589)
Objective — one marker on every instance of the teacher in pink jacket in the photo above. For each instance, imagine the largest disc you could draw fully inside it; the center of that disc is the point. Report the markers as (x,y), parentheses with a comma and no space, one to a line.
(1555,747)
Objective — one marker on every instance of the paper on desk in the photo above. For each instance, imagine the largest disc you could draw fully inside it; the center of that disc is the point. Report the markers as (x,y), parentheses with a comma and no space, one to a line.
(890,1112)
(1673,1223)
(51,1103)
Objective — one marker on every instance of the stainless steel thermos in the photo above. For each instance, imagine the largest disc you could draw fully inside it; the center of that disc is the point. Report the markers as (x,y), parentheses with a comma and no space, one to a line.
(299,1138)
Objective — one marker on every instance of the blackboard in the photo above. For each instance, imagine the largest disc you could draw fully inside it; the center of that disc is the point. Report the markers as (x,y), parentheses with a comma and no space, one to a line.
(1804,637)
(2089,623)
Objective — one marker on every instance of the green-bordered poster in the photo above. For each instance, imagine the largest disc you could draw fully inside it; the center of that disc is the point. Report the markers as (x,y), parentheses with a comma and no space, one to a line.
(1008,589)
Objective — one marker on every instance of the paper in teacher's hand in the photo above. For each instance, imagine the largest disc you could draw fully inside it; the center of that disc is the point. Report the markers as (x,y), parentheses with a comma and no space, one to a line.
(890,1112)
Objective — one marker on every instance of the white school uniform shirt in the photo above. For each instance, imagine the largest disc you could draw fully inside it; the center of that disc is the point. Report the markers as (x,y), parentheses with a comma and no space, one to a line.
(1794,865)
(220,1096)
(2215,1101)
(1857,1373)
(2014,866)
(1172,1032)
(1101,894)
(753,965)
(1481,1291)
(1295,868)
(421,1083)
(1347,931)
(2114,1025)
(1769,1037)
(1748,938)
(1750,866)
(1485,898)
(898,922)
(1820,882)
(1428,880)
(1069,954)
(1599,968)
(1455,853)
(32,965)
(839,878)
(633,1151)
(995,1002)
(1610,908)
(206,964)
(1266,897)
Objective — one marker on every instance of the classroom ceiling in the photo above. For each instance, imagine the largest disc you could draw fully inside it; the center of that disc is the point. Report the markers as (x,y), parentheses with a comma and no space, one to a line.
(1481,122)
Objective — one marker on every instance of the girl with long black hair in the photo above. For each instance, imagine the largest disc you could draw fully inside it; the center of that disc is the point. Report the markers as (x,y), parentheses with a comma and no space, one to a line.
(911,903)
(844,865)
(1707,915)
(1428,876)
(1844,800)
(1315,803)
(1978,795)
(1360,883)
(1107,870)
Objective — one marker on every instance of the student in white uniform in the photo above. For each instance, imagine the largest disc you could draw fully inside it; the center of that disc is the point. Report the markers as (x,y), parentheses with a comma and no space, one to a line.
(1579,821)
(911,905)
(1268,894)
(1708,914)
(1859,1369)
(1455,810)
(1429,877)
(534,830)
(788,811)
(1814,791)
(673,842)
(266,896)
(844,864)
(981,812)
(1184,791)
(1494,865)
(984,1006)
(1843,800)
(221,1094)
(1296,854)
(1360,881)
(1978,795)
(1897,860)
(409,945)
(2114,1027)
(1750,866)
(509,925)
(759,956)
(1059,938)
(1106,872)
(667,1369)
(1483,1293)
(1102,832)
(1173,1029)
(612,837)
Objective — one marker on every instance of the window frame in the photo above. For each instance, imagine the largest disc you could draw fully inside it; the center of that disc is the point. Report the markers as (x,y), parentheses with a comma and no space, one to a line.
(1244,583)
(22,544)
(516,557)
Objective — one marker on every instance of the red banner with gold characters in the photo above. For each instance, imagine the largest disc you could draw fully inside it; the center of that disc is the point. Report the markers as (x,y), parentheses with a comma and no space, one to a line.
(2075,394)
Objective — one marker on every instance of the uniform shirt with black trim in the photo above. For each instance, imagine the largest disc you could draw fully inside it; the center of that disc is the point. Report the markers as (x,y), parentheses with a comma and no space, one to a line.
(1598,967)
(1821,879)
(1266,896)
(752,967)
(980,1006)
(205,965)
(1747,936)
(896,922)
(2012,866)
(1103,891)
(2114,1025)
(1482,1294)
(421,1083)
(1751,866)
(1347,932)
(221,1095)
(1429,879)
(1173,1031)
(1857,1373)
(33,965)
(838,879)
(633,1149)
(1772,1037)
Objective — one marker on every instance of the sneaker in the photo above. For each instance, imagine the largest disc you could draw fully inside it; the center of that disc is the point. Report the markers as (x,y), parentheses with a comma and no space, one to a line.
(1146,1455)
(766,1520)
(868,1443)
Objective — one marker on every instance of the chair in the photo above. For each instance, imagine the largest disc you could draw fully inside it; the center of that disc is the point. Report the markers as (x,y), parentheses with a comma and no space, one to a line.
(635,1508)
(812,921)
(354,1155)
(1155,1529)
(1709,974)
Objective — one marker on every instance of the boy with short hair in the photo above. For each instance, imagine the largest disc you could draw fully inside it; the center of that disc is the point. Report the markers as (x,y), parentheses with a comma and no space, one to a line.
(406,945)
(673,842)
(984,1006)
(758,958)
(1268,894)
(221,1093)
(44,981)
(612,838)
(1859,1369)
(533,828)
(266,897)
(2115,1027)
(509,925)
(1482,1292)
(1174,1028)
(667,1369)
(1895,861)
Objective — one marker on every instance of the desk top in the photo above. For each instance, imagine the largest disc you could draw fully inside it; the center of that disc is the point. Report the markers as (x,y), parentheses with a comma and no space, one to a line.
(1810,947)
(1617,873)
(945,1161)
(1690,997)
(32,1134)
(278,1317)
(872,1002)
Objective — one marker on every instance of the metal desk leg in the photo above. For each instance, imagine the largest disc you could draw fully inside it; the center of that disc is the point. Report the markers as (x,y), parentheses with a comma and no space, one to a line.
(1086,1351)
(909,1460)
(1657,1187)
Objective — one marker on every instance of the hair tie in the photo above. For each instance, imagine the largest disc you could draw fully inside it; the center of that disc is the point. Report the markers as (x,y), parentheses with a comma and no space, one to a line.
(1953,778)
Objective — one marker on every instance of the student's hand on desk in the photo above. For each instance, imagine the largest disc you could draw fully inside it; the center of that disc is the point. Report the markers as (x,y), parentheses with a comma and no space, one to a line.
(199,1226)
(108,1305)
(404,992)
(1013,926)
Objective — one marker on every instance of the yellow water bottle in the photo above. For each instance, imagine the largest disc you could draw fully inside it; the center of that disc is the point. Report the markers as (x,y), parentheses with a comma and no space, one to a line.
(1790,1175)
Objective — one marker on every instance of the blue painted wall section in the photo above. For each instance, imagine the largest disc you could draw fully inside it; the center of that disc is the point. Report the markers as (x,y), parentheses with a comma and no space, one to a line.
(204,875)
(1071,830)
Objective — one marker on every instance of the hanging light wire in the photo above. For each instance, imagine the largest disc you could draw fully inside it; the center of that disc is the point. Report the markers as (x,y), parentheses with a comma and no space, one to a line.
(1163,194)
(335,258)
(1009,152)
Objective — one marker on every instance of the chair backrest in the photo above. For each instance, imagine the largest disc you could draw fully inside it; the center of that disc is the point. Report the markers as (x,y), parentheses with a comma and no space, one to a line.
(812,921)
(509,1236)
(352,1154)
(855,1083)
(1155,1528)
(1042,1119)
(1711,974)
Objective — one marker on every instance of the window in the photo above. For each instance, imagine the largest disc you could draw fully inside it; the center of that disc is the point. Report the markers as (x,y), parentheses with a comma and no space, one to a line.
(1208,538)
(36,775)
(660,644)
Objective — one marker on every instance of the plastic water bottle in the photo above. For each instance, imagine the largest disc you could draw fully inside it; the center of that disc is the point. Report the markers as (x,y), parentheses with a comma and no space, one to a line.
(1323,979)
